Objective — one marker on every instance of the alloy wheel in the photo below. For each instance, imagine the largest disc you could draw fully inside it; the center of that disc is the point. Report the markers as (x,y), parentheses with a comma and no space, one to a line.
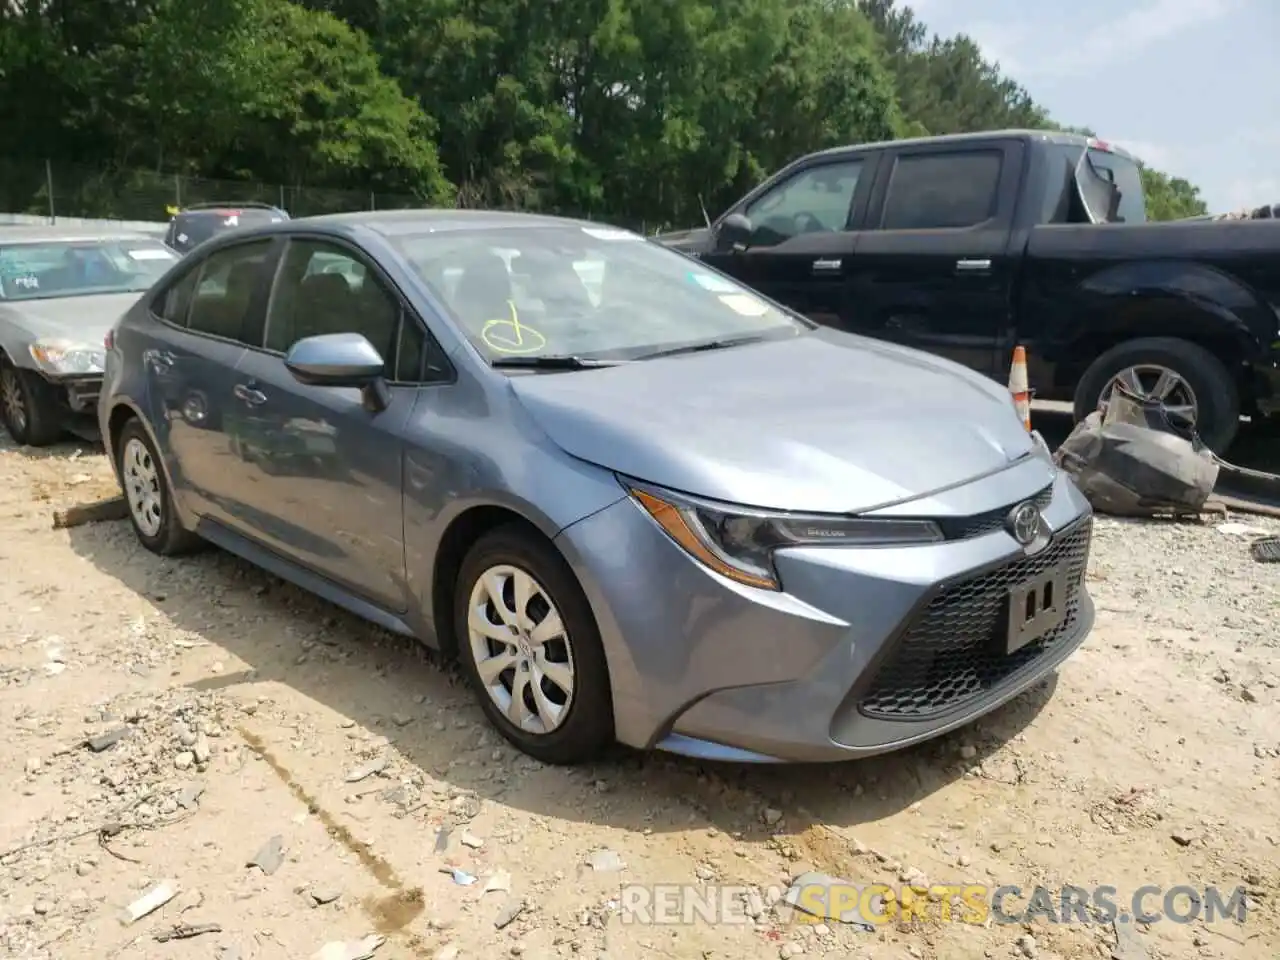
(521,649)
(1151,381)
(15,407)
(141,477)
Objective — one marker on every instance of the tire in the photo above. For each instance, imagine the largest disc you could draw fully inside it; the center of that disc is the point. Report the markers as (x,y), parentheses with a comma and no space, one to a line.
(29,407)
(1217,396)
(154,518)
(585,729)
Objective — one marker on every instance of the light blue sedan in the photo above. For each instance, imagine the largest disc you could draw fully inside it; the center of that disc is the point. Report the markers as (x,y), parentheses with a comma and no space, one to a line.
(640,502)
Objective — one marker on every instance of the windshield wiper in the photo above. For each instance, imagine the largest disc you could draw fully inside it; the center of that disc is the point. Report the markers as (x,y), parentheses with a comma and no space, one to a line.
(706,345)
(555,362)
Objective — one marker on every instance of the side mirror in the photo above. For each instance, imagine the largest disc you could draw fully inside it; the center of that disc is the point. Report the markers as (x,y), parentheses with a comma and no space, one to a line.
(734,232)
(340,360)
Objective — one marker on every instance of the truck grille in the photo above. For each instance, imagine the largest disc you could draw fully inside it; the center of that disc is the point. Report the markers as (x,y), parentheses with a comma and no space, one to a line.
(950,654)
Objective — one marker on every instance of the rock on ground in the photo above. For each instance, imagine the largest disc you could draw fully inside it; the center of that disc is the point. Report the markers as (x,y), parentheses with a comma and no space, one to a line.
(169,719)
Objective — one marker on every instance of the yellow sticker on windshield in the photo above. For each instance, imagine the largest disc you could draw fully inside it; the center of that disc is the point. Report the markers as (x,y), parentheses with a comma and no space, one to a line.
(744,304)
(510,336)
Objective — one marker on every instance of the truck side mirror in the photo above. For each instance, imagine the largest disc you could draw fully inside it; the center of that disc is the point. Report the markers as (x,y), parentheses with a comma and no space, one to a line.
(734,232)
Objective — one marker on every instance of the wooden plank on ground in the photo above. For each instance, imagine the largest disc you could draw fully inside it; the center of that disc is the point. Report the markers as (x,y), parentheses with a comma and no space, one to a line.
(112,508)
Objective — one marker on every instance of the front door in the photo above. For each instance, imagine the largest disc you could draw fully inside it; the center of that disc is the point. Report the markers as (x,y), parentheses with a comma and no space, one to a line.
(327,469)
(804,238)
(190,367)
(933,269)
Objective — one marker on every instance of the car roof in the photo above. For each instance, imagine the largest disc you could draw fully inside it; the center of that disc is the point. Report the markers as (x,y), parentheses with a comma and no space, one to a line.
(392,223)
(400,223)
(47,234)
(221,210)
(1045,136)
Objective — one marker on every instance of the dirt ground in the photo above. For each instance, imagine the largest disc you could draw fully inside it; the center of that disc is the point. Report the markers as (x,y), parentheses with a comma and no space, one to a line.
(257,723)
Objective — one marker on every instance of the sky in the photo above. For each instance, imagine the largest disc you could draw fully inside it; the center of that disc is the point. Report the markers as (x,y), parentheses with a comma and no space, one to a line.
(1192,87)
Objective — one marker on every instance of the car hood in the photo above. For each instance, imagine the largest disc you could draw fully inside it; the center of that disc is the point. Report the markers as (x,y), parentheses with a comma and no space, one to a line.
(827,422)
(83,320)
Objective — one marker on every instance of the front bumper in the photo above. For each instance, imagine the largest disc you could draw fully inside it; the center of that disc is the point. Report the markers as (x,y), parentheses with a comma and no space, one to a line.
(80,392)
(867,650)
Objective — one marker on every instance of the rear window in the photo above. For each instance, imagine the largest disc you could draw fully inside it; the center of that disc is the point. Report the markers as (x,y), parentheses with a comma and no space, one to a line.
(1127,178)
(196,226)
(1094,181)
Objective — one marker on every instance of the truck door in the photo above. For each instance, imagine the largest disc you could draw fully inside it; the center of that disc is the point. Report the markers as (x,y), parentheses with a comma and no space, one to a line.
(804,232)
(933,268)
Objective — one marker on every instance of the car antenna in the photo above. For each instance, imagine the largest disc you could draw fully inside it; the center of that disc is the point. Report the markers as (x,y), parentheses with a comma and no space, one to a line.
(703,207)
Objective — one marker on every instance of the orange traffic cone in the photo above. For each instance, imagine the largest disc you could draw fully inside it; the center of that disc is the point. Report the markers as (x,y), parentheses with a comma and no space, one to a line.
(1019,387)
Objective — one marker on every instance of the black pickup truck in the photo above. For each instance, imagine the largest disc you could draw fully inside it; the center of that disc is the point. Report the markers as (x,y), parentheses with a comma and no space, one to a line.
(968,245)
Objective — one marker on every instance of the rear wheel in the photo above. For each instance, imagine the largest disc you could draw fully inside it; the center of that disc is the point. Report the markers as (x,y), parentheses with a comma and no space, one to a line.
(1195,387)
(531,648)
(151,507)
(28,406)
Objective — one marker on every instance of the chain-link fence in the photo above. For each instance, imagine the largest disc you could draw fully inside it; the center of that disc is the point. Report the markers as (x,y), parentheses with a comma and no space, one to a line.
(51,189)
(46,188)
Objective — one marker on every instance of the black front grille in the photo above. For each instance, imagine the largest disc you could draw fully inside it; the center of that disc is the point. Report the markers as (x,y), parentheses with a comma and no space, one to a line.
(961,528)
(951,653)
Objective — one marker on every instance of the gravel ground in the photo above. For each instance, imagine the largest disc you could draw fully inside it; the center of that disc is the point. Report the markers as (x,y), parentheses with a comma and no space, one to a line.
(298,777)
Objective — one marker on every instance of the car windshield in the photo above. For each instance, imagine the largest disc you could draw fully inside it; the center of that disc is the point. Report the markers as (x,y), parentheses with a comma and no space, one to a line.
(71,268)
(584,291)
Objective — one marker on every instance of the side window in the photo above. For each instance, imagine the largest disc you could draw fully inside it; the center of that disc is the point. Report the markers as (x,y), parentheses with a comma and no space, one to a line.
(174,303)
(942,190)
(321,288)
(816,200)
(224,290)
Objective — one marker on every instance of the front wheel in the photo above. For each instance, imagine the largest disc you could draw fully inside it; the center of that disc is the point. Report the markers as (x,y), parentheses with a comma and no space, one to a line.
(28,406)
(531,649)
(1194,386)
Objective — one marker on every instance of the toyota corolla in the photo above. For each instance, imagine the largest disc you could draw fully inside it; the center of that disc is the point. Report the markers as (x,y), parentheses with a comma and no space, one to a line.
(637,500)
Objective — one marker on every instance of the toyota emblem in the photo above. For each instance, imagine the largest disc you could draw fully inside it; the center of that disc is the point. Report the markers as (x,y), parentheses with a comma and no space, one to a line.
(1024,522)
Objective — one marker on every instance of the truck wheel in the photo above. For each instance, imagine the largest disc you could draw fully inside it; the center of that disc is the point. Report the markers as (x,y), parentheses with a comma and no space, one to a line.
(28,406)
(1194,385)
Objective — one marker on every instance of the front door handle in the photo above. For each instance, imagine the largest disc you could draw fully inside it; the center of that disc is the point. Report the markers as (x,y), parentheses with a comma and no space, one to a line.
(249,395)
(973,266)
(827,266)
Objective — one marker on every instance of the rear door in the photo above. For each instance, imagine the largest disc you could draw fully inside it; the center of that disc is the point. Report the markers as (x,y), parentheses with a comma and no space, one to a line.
(190,368)
(933,268)
(806,230)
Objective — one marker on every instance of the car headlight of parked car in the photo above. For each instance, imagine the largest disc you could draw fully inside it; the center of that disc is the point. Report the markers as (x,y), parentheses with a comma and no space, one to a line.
(65,358)
(739,543)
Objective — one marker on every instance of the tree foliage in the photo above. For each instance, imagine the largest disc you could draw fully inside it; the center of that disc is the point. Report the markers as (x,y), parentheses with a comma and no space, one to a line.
(626,110)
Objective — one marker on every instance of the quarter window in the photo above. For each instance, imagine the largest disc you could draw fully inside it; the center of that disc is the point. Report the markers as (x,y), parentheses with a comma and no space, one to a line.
(939,191)
(174,303)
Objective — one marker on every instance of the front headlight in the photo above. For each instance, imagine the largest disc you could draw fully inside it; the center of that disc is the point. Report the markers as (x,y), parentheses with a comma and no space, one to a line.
(63,357)
(739,543)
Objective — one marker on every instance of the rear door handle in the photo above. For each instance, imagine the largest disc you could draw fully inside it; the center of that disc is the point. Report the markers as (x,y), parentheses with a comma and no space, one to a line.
(973,266)
(249,395)
(827,266)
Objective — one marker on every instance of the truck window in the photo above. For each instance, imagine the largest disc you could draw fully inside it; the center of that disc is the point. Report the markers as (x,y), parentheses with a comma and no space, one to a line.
(1126,176)
(816,200)
(943,190)
(1062,203)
